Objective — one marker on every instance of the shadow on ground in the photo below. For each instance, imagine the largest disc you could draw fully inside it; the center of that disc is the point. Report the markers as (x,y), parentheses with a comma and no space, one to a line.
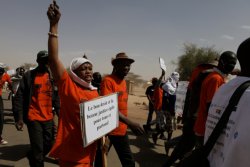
(146,156)
(20,152)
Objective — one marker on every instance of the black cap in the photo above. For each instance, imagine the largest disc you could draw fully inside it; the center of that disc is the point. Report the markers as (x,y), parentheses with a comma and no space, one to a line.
(42,55)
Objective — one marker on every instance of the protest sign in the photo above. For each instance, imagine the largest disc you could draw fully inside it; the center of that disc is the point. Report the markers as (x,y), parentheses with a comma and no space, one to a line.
(180,97)
(162,64)
(98,117)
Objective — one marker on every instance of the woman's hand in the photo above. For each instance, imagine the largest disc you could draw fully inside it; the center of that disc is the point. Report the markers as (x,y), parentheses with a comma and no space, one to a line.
(53,13)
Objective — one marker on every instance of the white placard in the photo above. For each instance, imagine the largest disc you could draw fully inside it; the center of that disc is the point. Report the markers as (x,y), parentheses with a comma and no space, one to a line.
(98,117)
(180,97)
(162,64)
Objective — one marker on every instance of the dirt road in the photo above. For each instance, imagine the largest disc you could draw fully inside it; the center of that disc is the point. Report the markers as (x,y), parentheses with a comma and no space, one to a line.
(145,152)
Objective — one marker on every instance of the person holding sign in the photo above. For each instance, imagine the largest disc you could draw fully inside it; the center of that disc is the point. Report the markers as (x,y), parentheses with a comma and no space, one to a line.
(74,88)
(116,83)
(169,96)
(160,115)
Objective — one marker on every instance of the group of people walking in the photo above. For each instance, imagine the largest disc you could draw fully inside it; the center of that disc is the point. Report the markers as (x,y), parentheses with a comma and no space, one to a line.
(205,81)
(50,90)
(204,104)
(162,96)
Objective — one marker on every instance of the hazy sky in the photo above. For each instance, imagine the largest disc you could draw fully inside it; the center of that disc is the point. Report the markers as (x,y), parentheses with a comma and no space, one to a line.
(144,29)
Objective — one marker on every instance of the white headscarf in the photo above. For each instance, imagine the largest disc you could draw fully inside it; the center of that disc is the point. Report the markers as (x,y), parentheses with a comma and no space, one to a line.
(175,76)
(2,65)
(75,63)
(171,85)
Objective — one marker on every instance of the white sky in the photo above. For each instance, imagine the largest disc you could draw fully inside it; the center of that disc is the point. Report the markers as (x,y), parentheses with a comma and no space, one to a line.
(144,29)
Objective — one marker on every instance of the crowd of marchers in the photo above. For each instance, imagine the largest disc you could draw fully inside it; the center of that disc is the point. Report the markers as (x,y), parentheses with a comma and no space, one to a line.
(49,89)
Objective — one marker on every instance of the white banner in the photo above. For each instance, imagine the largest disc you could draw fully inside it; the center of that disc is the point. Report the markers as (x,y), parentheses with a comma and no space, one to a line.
(180,97)
(98,117)
(162,64)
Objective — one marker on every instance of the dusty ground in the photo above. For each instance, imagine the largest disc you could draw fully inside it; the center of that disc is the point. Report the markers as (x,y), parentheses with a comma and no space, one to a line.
(146,153)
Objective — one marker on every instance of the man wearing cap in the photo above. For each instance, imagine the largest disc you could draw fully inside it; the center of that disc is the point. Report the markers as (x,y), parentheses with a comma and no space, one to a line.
(4,77)
(168,101)
(33,106)
(160,118)
(116,83)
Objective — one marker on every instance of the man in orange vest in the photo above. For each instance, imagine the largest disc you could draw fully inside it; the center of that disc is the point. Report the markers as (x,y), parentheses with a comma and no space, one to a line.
(116,83)
(34,104)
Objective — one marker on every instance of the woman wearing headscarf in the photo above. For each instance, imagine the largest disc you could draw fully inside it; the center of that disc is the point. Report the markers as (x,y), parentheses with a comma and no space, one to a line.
(74,88)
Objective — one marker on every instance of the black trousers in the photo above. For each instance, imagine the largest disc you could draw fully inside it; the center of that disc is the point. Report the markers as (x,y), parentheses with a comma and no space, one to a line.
(122,148)
(150,114)
(185,144)
(41,136)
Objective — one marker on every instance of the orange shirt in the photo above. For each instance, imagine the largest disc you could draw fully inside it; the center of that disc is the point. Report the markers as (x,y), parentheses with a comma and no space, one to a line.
(209,86)
(40,108)
(197,71)
(158,93)
(4,78)
(111,84)
(69,143)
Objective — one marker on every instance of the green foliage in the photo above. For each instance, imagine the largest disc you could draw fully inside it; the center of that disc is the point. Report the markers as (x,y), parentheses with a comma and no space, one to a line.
(136,79)
(194,56)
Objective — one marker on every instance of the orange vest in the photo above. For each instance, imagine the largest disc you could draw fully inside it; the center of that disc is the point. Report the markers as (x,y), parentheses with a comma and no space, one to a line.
(69,144)
(111,84)
(158,93)
(209,86)
(4,78)
(40,108)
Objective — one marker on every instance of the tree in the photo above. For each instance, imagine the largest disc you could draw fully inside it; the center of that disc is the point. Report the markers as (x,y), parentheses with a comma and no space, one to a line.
(135,78)
(194,56)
